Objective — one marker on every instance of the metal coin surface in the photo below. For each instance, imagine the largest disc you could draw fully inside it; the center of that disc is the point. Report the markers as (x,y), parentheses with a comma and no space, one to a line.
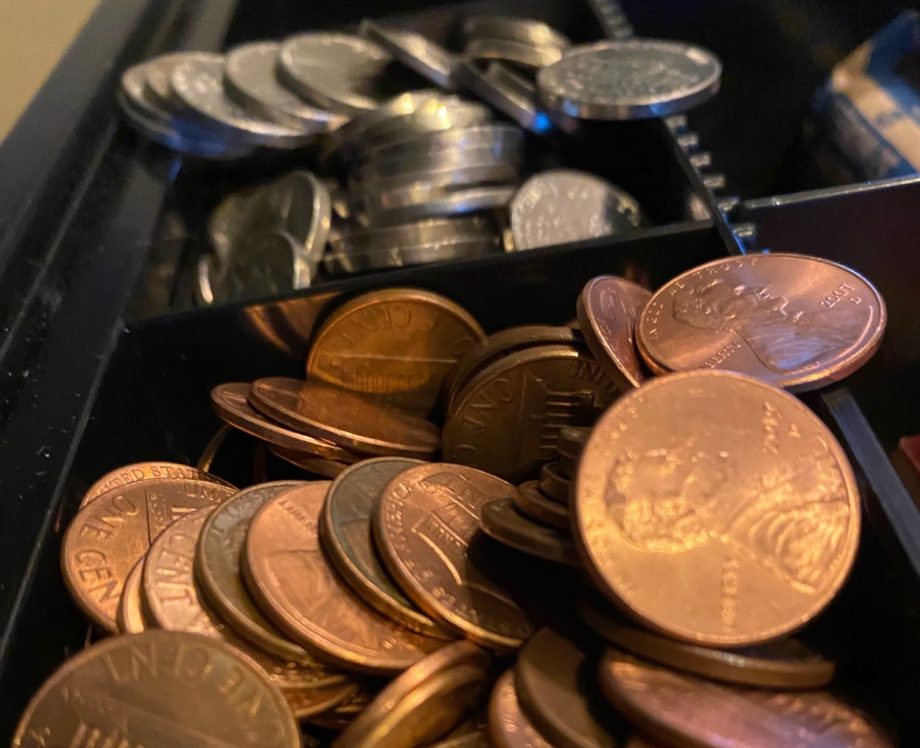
(572,441)
(409,255)
(342,715)
(158,688)
(502,522)
(508,725)
(730,494)
(318,465)
(795,321)
(141,471)
(424,525)
(431,232)
(416,52)
(507,419)
(555,682)
(460,202)
(531,501)
(395,345)
(554,484)
(345,529)
(130,617)
(526,30)
(109,536)
(206,278)
(414,165)
(507,92)
(288,575)
(565,205)
(608,313)
(505,141)
(263,265)
(515,52)
(345,417)
(685,710)
(629,79)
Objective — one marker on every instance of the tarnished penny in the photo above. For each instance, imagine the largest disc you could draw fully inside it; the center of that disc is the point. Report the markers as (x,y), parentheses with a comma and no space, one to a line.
(502,522)
(732,496)
(345,530)
(795,321)
(608,312)
(786,663)
(317,465)
(506,421)
(424,524)
(342,715)
(685,710)
(158,688)
(125,476)
(130,617)
(554,484)
(556,683)
(344,417)
(111,534)
(291,580)
(508,725)
(535,504)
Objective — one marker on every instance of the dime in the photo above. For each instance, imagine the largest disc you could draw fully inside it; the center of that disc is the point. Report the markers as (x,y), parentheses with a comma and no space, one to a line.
(507,419)
(317,465)
(556,684)
(141,471)
(795,321)
(504,141)
(263,265)
(511,51)
(347,418)
(554,484)
(433,232)
(502,522)
(345,529)
(730,494)
(406,161)
(508,725)
(683,709)
(534,503)
(526,30)
(459,202)
(130,617)
(110,535)
(158,688)
(395,345)
(416,52)
(630,79)
(293,583)
(565,205)
(608,313)
(424,524)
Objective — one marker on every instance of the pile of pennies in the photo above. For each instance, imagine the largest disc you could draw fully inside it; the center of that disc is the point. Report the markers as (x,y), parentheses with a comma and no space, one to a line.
(586,554)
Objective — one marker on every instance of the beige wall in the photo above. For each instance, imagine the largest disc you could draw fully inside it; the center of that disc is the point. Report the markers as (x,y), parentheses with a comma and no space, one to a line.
(33,36)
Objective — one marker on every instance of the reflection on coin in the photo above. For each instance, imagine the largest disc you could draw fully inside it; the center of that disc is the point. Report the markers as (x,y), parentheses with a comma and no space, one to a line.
(508,725)
(108,537)
(630,79)
(413,50)
(140,471)
(130,617)
(554,484)
(515,52)
(318,465)
(527,30)
(459,202)
(424,524)
(263,265)
(502,522)
(293,583)
(687,710)
(535,504)
(730,494)
(509,93)
(503,140)
(798,322)
(158,688)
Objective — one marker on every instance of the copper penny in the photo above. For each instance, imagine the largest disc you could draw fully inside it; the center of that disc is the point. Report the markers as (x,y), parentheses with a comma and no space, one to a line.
(130,617)
(394,345)
(536,505)
(140,471)
(685,710)
(111,534)
(728,493)
(508,725)
(608,312)
(292,581)
(315,465)
(158,688)
(554,484)
(472,733)
(342,715)
(795,321)
(506,421)
(309,702)
(232,406)
(345,530)
(502,522)
(344,417)
(786,663)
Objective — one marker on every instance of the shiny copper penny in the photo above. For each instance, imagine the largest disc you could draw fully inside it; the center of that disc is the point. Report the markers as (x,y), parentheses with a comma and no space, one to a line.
(232,406)
(533,503)
(343,714)
(110,535)
(395,345)
(315,465)
(608,312)
(795,321)
(344,417)
(345,530)
(727,492)
(506,421)
(140,471)
(786,663)
(471,733)
(556,683)
(508,725)
(158,688)
(424,525)
(502,522)
(554,484)
(685,710)
(130,617)
(294,585)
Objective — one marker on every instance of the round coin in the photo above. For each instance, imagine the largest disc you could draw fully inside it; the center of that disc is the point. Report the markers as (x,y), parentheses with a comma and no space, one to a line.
(508,725)
(685,710)
(130,617)
(417,53)
(629,79)
(294,584)
(608,313)
(795,321)
(263,265)
(141,471)
(526,30)
(158,688)
(730,494)
(459,202)
(511,51)
(530,500)
(502,522)
(554,484)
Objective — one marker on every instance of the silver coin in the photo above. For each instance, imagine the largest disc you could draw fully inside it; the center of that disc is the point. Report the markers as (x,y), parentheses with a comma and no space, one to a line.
(416,233)
(430,60)
(506,141)
(251,78)
(445,158)
(507,50)
(263,265)
(457,203)
(394,257)
(564,205)
(525,30)
(632,79)
(159,76)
